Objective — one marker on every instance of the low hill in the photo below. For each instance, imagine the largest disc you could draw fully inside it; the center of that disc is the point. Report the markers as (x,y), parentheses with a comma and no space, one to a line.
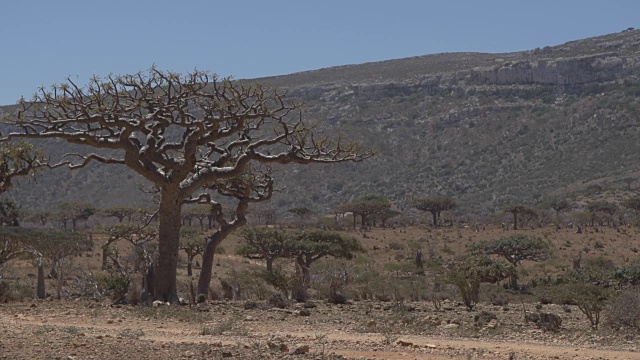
(487,129)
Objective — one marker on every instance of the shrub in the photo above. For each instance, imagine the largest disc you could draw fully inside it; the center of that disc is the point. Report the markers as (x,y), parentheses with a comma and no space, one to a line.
(484,318)
(624,310)
(278,301)
(5,292)
(116,285)
(589,298)
(544,321)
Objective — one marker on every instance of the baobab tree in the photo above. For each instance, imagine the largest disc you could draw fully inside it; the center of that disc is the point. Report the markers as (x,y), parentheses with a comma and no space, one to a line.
(364,207)
(515,249)
(517,210)
(181,133)
(435,205)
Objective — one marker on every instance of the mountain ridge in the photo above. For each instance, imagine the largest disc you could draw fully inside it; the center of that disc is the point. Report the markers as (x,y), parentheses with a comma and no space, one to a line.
(486,129)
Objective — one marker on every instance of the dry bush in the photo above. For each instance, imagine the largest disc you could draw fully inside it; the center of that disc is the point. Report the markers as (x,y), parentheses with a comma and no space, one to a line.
(544,321)
(495,295)
(5,292)
(484,317)
(624,310)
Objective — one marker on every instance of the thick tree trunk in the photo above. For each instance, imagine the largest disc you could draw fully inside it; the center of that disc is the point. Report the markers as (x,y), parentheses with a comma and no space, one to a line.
(40,289)
(515,221)
(435,218)
(207,265)
(363,223)
(269,264)
(169,219)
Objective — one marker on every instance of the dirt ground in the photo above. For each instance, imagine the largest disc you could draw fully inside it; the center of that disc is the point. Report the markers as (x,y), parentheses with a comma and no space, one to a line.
(89,329)
(361,330)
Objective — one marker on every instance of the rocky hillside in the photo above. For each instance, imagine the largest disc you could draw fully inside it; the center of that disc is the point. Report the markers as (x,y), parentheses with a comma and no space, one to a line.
(486,129)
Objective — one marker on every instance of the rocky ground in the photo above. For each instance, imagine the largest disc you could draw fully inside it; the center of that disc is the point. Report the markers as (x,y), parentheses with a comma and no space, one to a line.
(241,330)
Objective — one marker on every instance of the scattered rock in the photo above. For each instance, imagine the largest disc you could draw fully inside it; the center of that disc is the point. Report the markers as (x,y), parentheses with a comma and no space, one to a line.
(371,324)
(404,343)
(159,303)
(301,349)
(273,346)
(250,305)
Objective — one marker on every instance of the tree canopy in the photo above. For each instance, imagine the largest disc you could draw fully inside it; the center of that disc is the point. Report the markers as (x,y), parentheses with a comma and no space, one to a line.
(515,249)
(267,243)
(180,132)
(364,207)
(468,273)
(435,205)
(520,210)
(18,158)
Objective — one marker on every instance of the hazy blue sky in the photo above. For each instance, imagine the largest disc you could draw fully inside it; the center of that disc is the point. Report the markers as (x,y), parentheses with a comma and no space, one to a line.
(44,41)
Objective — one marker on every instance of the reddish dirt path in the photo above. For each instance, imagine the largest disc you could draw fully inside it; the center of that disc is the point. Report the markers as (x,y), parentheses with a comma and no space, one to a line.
(350,345)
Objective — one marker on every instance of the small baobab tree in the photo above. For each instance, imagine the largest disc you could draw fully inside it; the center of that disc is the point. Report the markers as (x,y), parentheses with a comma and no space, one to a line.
(365,207)
(520,211)
(269,244)
(515,249)
(192,243)
(435,205)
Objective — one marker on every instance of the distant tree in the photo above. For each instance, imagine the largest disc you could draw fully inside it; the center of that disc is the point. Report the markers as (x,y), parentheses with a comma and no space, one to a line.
(269,244)
(58,248)
(38,216)
(384,216)
(9,213)
(559,205)
(12,243)
(365,207)
(435,205)
(629,181)
(515,249)
(192,242)
(468,273)
(199,212)
(520,210)
(18,158)
(180,132)
(301,212)
(632,203)
(309,246)
(601,207)
(76,211)
(142,238)
(266,215)
(120,212)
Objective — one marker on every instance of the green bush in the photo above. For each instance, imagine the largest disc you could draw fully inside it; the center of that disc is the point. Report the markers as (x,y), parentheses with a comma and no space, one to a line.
(116,285)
